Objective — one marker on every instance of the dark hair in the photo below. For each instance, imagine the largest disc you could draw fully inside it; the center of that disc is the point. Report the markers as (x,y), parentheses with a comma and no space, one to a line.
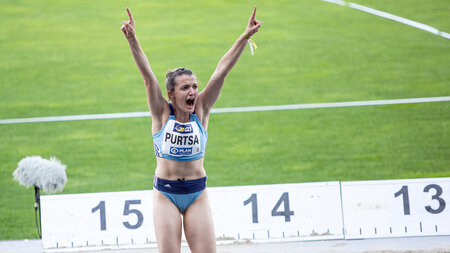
(172,74)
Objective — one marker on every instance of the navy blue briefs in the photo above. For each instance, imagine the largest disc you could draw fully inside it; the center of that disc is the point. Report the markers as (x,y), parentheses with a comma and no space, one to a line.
(182,193)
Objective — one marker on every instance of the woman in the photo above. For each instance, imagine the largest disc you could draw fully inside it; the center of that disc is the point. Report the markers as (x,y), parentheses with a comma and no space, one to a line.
(179,135)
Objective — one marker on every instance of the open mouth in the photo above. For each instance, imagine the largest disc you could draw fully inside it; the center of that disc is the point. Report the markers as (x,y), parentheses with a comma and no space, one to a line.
(190,101)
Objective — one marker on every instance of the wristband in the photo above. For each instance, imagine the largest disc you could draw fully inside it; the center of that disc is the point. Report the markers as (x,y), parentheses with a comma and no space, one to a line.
(251,42)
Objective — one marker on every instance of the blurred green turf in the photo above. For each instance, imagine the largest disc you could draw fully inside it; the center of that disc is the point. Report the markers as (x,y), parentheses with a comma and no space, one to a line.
(418,11)
(70,57)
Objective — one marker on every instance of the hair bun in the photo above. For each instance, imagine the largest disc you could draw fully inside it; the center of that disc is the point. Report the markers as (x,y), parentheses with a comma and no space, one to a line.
(172,74)
(173,71)
(169,73)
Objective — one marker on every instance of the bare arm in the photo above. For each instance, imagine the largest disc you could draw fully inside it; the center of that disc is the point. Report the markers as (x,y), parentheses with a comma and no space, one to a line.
(155,100)
(210,94)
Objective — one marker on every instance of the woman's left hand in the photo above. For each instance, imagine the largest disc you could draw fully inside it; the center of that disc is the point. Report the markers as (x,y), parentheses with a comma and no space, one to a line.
(253,24)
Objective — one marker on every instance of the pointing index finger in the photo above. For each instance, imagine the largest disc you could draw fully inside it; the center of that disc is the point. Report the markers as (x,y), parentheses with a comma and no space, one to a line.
(129,15)
(253,14)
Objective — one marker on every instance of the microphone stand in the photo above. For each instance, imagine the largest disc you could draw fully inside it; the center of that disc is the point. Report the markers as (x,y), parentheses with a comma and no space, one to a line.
(37,204)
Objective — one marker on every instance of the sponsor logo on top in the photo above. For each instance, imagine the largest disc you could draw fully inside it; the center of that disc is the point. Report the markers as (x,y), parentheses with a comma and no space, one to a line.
(180,151)
(182,128)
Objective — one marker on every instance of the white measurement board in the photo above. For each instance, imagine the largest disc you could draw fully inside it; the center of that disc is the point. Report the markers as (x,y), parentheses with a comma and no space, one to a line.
(284,212)
(305,211)
(308,211)
(396,208)
(97,219)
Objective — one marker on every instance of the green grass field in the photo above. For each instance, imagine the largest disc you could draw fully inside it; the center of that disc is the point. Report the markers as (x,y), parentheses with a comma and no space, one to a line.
(70,57)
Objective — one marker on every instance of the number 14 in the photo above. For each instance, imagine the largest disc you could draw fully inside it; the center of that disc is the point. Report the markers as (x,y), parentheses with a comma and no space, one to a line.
(287,213)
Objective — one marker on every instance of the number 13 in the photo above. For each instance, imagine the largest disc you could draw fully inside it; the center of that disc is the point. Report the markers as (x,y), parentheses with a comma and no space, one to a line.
(404,192)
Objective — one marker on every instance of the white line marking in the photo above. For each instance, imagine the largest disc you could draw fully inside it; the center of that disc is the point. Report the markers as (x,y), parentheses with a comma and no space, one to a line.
(230,110)
(340,2)
(77,117)
(391,17)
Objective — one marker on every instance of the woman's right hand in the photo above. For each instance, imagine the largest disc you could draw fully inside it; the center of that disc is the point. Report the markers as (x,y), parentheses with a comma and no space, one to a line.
(128,26)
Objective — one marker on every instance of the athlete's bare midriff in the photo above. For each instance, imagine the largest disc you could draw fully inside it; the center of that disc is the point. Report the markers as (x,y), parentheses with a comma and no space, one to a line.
(174,170)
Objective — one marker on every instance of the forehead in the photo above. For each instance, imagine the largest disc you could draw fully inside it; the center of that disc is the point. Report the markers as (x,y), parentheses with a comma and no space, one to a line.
(185,79)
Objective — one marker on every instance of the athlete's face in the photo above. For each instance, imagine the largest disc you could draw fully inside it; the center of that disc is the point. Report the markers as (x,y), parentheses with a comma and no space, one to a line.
(185,93)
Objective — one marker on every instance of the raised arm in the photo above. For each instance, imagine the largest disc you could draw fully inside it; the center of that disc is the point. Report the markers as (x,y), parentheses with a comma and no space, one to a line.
(210,94)
(155,100)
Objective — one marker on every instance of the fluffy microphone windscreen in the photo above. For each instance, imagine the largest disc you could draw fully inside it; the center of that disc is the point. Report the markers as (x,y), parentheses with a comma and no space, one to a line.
(48,175)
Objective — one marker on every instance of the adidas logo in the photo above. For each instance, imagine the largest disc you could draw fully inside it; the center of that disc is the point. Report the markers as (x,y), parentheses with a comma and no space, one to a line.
(167,185)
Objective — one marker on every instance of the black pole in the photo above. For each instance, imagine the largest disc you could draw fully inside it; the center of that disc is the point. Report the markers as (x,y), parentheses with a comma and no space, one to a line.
(37,204)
